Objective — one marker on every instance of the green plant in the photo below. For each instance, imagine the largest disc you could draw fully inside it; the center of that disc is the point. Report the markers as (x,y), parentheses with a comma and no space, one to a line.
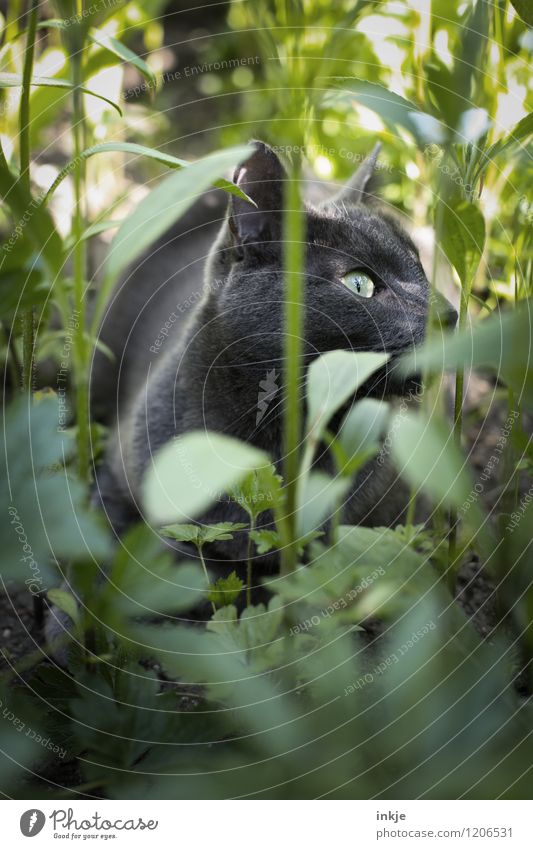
(317,691)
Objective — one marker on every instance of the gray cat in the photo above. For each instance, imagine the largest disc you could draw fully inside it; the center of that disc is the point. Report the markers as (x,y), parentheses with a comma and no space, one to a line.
(215,361)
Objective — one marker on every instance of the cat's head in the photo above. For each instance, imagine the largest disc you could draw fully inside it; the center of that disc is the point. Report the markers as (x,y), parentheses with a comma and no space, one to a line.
(364,287)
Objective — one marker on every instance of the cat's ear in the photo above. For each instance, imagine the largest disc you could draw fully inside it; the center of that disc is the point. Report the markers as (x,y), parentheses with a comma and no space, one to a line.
(261,177)
(357,188)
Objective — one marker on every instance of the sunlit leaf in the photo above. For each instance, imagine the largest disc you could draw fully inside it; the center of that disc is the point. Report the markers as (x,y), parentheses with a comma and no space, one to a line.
(394,110)
(165,204)
(118,49)
(138,150)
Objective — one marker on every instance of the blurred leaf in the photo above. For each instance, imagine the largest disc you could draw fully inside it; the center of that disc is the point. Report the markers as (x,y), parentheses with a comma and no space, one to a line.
(360,433)
(493,343)
(44,510)
(146,580)
(333,379)
(189,473)
(473,124)
(319,499)
(427,456)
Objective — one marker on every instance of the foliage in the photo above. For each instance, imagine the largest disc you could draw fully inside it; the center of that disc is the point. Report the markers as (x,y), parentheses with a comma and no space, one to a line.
(316,689)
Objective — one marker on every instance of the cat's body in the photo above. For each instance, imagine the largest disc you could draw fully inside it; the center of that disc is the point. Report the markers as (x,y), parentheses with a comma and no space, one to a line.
(210,370)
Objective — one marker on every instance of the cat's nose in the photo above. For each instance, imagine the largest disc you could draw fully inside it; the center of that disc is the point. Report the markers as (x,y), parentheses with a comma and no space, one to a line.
(451,316)
(444,314)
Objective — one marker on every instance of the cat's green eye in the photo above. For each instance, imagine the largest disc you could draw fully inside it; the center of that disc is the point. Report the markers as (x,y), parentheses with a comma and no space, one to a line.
(359,283)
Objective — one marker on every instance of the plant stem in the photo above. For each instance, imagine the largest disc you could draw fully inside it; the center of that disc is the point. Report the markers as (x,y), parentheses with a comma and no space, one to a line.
(249,563)
(28,321)
(24,112)
(293,228)
(458,426)
(206,573)
(80,344)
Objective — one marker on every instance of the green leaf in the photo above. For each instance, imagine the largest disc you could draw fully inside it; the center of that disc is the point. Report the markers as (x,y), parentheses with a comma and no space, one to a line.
(225,590)
(139,150)
(118,49)
(260,491)
(332,380)
(266,540)
(463,237)
(191,472)
(66,602)
(15,81)
(200,534)
(164,205)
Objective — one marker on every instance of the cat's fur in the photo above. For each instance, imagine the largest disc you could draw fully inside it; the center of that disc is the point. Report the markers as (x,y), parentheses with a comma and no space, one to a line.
(208,372)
